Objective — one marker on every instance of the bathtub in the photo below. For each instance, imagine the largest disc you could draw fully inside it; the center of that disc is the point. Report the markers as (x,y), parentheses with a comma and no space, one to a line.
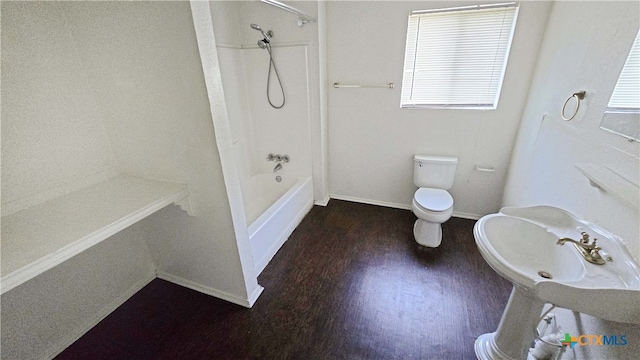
(273,210)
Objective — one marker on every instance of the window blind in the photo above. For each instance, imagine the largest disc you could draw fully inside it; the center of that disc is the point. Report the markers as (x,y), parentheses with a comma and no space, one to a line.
(457,57)
(626,95)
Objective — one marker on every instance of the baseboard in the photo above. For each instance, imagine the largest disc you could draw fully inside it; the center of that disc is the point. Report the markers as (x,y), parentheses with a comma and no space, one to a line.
(399,206)
(248,302)
(466,215)
(255,295)
(371,202)
(323,202)
(57,348)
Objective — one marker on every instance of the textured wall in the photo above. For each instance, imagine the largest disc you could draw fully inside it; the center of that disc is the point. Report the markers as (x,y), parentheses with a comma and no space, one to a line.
(585,46)
(54,142)
(144,65)
(96,86)
(578,58)
(53,139)
(44,315)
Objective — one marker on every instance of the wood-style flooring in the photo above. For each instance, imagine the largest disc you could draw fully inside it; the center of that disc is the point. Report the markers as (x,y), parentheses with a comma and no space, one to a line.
(350,283)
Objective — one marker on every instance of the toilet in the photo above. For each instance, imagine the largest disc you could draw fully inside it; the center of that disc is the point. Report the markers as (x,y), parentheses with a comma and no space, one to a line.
(432,203)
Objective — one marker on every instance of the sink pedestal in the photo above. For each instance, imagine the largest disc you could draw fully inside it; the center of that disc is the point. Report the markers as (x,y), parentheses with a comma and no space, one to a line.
(516,330)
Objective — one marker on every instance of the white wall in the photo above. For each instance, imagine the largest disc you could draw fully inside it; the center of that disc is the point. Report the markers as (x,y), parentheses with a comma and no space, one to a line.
(53,140)
(578,58)
(91,89)
(584,48)
(225,16)
(232,65)
(151,88)
(257,128)
(286,130)
(372,141)
(46,314)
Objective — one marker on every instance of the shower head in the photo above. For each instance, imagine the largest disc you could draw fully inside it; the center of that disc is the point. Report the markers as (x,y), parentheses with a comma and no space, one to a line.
(267,35)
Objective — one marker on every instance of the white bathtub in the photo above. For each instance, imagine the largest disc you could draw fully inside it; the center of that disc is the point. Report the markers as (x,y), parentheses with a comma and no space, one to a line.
(273,210)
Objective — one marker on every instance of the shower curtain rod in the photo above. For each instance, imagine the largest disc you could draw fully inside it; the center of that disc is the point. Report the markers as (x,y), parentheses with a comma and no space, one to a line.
(303,18)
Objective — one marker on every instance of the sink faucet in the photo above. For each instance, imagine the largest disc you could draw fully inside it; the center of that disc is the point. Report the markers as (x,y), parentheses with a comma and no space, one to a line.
(278,167)
(590,251)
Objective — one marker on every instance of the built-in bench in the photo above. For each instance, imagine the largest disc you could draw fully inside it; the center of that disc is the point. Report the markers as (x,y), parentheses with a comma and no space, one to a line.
(40,237)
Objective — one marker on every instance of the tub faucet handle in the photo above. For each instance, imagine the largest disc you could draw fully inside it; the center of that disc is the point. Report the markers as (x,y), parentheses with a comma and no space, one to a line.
(278,158)
(285,158)
(271,157)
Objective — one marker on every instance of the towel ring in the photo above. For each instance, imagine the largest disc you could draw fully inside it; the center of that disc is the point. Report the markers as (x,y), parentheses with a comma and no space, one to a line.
(579,96)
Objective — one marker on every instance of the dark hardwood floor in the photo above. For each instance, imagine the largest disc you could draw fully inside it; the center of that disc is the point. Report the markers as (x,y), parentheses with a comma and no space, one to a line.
(350,283)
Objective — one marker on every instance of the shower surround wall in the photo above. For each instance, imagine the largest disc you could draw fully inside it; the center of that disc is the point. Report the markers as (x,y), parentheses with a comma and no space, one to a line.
(257,129)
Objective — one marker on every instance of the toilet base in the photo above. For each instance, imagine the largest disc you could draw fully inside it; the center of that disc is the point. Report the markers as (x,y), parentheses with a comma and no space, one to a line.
(427,233)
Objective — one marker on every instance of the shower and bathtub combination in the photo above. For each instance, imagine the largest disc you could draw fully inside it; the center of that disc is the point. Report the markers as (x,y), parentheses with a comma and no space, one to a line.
(277,191)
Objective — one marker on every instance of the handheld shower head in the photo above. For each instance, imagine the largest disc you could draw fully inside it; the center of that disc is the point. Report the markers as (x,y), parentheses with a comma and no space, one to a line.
(267,35)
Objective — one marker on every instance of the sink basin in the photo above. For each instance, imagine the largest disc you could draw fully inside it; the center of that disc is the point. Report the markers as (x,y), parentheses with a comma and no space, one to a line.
(520,244)
(526,253)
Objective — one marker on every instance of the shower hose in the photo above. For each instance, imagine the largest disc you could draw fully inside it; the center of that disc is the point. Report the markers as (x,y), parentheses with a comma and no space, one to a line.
(273,64)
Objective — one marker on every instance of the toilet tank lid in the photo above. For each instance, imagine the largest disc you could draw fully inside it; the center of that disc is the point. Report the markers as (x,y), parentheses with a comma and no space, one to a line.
(436,159)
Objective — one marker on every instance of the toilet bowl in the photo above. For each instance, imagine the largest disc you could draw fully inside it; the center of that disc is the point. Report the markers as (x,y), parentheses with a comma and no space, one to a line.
(432,207)
(432,204)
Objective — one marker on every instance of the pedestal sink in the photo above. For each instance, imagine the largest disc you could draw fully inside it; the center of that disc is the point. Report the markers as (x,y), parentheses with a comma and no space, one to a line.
(521,245)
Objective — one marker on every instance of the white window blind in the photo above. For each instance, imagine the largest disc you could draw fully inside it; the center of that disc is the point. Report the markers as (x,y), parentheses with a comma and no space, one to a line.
(626,95)
(457,57)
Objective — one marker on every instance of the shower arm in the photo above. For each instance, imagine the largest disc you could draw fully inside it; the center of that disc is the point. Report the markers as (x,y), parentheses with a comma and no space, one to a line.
(303,18)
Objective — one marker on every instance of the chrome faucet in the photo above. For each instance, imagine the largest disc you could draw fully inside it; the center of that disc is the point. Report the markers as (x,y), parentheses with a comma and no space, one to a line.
(279,159)
(590,251)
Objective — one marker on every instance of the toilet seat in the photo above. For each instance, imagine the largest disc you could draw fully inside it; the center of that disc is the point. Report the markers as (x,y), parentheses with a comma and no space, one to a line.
(433,200)
(432,205)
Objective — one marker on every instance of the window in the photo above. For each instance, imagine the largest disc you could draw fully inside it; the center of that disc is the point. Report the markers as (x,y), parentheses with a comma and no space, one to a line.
(456,58)
(622,116)
(626,95)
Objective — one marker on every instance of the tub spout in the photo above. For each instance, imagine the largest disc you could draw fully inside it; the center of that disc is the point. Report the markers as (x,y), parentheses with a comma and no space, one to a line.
(278,167)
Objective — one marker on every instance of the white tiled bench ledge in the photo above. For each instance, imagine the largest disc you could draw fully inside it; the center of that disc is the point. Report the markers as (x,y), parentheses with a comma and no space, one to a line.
(40,237)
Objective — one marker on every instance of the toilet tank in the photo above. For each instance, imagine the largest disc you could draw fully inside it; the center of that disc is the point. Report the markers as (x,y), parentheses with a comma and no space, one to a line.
(435,172)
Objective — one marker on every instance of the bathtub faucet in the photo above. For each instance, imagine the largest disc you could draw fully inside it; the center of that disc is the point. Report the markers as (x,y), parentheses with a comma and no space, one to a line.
(278,158)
